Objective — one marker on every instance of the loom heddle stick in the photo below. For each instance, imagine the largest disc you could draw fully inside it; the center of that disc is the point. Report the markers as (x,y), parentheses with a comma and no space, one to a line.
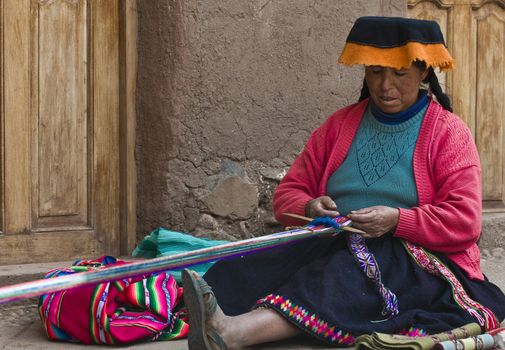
(305,218)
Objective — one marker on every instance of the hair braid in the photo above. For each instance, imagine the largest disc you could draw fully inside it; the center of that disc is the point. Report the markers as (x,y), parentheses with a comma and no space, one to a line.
(435,88)
(364,91)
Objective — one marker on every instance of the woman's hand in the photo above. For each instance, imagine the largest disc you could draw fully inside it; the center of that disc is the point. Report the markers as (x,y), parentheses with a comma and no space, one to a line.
(321,206)
(375,221)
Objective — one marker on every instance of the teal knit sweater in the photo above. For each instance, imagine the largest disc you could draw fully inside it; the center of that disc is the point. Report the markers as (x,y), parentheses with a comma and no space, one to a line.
(378,168)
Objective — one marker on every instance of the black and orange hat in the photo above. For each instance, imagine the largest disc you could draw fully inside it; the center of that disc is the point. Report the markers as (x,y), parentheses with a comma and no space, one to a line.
(396,42)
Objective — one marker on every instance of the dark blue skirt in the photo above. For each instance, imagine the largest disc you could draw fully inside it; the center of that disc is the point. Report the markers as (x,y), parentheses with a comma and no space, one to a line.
(317,285)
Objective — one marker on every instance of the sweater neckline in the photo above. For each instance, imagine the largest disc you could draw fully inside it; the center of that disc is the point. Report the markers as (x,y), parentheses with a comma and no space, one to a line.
(397,127)
(400,117)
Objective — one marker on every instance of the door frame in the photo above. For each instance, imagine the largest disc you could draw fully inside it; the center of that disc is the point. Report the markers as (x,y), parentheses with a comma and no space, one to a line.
(127,111)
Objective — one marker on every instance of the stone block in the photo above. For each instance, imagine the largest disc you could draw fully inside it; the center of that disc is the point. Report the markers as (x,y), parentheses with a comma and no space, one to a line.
(493,231)
(234,198)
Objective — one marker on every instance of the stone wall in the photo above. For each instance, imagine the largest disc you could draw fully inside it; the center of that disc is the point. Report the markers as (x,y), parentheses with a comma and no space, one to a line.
(228,93)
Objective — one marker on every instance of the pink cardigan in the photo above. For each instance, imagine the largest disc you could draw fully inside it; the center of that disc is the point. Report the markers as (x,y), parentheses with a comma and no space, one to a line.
(447,175)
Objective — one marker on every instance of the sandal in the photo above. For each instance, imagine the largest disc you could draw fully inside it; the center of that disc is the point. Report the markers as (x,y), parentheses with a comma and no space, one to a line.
(201,304)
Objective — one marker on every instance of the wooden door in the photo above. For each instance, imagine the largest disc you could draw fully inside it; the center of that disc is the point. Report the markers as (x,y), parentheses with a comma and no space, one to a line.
(62,115)
(475,34)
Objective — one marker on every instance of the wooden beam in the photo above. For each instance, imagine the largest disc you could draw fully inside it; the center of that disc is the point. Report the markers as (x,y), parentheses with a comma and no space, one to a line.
(128,78)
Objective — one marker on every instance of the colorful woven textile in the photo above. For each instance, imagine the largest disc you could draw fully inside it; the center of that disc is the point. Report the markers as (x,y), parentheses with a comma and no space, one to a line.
(370,267)
(479,342)
(121,312)
(492,340)
(433,265)
(381,341)
(498,336)
(308,321)
(365,260)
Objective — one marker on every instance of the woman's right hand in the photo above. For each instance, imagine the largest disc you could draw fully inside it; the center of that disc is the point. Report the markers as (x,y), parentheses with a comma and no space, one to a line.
(321,206)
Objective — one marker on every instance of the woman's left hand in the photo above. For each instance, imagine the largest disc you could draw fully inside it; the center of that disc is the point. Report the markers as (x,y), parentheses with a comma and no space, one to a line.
(375,221)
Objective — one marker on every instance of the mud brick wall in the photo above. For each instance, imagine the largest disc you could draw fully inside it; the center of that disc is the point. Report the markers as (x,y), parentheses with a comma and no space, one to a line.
(228,93)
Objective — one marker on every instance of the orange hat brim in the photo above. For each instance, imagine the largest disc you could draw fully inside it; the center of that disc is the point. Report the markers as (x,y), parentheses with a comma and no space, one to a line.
(434,55)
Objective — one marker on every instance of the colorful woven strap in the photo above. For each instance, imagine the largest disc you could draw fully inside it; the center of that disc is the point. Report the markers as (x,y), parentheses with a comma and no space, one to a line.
(366,261)
(433,265)
(369,265)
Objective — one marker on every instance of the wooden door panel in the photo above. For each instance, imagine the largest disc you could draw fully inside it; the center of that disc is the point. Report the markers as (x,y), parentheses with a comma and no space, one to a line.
(489,37)
(475,34)
(105,94)
(60,122)
(61,118)
(16,116)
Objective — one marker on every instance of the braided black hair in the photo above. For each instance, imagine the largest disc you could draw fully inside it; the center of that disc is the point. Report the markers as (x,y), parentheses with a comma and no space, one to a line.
(431,79)
(436,89)
(364,91)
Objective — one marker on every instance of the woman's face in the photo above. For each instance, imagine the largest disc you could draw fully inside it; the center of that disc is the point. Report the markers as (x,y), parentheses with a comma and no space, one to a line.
(394,90)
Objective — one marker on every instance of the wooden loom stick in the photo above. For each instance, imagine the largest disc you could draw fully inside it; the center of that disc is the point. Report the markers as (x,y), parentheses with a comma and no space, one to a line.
(305,218)
(175,261)
(150,266)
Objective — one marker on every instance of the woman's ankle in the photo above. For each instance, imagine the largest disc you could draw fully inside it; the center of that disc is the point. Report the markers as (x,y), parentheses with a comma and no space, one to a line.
(224,326)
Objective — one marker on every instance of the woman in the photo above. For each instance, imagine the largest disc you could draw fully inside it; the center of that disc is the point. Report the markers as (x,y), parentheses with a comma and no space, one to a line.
(406,171)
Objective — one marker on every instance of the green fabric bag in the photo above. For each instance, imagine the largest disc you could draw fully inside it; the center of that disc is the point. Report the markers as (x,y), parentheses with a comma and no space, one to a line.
(163,242)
